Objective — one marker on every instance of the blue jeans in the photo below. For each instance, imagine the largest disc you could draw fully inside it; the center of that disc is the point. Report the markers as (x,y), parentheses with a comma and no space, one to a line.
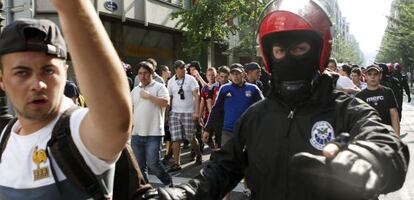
(147,151)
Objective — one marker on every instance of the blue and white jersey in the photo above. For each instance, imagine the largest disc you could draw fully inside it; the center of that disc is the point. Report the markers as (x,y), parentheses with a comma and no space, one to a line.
(232,100)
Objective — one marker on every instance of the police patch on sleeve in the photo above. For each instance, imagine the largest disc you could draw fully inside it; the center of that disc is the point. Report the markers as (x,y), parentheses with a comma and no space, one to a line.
(321,134)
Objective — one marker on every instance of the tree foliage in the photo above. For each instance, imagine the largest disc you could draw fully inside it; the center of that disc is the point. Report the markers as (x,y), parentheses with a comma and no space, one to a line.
(212,21)
(249,20)
(397,42)
(346,50)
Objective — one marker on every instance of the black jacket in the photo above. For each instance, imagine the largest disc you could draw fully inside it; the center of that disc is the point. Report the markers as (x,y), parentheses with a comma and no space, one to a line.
(395,85)
(403,80)
(269,133)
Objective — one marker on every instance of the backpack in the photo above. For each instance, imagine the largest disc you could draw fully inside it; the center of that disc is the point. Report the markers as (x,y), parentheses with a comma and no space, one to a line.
(395,86)
(128,181)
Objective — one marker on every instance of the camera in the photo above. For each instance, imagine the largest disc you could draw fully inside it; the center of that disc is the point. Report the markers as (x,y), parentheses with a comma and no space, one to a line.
(181,93)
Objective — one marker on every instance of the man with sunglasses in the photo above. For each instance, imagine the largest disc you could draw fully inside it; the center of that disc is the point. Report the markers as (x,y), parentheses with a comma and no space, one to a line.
(185,102)
(306,141)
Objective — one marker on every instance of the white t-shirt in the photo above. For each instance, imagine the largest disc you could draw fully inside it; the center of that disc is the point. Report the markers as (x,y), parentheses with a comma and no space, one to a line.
(148,117)
(189,84)
(344,83)
(20,167)
(362,85)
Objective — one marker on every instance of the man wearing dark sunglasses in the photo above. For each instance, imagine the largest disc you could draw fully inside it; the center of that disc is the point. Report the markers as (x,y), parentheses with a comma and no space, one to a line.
(185,101)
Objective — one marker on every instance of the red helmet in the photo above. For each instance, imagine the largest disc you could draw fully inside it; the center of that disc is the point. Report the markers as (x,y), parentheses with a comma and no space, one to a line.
(295,15)
(390,68)
(397,67)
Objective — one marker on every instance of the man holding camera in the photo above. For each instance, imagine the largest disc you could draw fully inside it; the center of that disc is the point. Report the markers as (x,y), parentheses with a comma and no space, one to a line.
(185,101)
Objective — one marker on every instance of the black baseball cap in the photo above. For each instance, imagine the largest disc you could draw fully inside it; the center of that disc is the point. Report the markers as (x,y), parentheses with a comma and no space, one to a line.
(15,38)
(374,67)
(251,66)
(236,67)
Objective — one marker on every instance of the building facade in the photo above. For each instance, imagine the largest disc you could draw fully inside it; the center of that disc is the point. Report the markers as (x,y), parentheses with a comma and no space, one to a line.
(138,28)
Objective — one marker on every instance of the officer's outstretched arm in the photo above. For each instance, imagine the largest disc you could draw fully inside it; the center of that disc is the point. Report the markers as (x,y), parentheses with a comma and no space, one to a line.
(392,154)
(369,161)
(215,180)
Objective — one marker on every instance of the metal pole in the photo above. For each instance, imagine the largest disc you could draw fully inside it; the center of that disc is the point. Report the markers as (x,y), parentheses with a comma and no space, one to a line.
(145,13)
(95,3)
(1,15)
(256,17)
(9,15)
(3,100)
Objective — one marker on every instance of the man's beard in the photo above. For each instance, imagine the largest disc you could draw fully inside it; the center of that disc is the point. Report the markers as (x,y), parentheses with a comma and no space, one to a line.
(36,116)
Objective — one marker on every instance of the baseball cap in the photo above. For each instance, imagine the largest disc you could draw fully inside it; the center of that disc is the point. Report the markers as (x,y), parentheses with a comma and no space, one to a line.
(16,38)
(236,67)
(251,66)
(374,67)
(179,63)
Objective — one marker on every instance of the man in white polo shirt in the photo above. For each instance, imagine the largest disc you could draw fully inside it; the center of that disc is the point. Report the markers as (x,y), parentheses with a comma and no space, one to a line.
(149,100)
(184,91)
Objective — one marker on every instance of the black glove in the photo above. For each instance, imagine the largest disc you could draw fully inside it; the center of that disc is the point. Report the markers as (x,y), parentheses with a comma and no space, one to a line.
(180,192)
(353,173)
(409,99)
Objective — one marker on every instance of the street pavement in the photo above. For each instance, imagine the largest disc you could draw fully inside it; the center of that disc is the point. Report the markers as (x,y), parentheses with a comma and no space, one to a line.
(405,193)
(407,126)
(189,170)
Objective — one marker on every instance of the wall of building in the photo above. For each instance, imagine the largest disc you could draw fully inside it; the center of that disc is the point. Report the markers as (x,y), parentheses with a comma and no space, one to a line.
(138,28)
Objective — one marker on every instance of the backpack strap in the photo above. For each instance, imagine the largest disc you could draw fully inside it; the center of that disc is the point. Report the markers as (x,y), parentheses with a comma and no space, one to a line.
(70,160)
(129,183)
(6,135)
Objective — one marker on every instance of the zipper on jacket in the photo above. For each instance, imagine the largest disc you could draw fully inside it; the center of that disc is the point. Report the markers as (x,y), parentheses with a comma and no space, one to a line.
(290,119)
(291,114)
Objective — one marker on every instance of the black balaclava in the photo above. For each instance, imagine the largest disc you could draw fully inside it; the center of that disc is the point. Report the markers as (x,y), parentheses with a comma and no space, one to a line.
(293,77)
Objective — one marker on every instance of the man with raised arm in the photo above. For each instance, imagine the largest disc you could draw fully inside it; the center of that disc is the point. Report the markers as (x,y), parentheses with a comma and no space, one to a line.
(33,73)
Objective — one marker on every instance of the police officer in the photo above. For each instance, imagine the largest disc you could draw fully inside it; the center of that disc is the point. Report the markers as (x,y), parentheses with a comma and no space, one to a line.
(285,145)
(403,83)
(389,80)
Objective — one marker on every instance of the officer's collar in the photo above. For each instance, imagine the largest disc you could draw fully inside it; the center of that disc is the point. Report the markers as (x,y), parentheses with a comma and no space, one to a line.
(321,94)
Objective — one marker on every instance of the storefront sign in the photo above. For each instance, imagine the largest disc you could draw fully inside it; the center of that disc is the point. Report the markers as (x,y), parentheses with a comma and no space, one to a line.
(111,6)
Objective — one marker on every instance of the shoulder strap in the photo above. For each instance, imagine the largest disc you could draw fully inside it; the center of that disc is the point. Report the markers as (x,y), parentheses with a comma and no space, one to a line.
(70,160)
(9,124)
(129,183)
